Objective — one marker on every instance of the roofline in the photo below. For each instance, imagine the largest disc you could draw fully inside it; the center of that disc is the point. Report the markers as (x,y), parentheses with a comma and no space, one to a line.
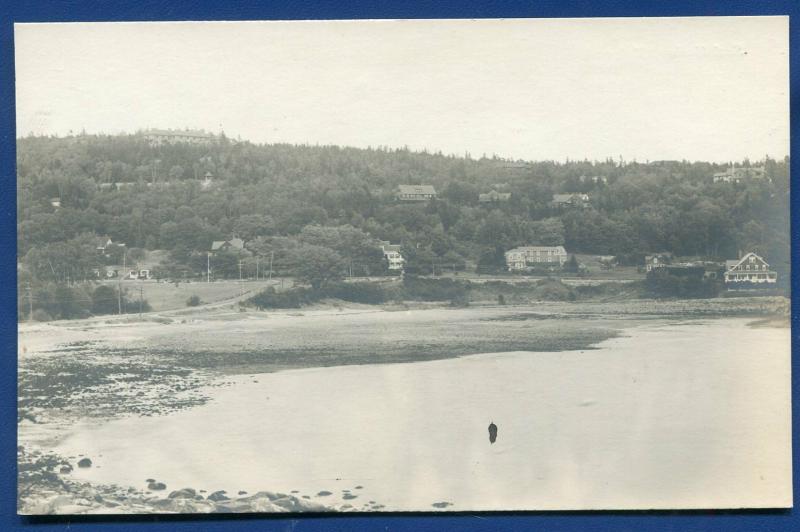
(747,255)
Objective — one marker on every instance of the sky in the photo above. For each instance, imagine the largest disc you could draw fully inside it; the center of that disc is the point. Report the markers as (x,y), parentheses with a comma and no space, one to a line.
(703,88)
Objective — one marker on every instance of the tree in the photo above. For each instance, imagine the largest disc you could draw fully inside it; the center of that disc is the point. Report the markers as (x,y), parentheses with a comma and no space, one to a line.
(250,226)
(571,265)
(105,300)
(491,260)
(317,265)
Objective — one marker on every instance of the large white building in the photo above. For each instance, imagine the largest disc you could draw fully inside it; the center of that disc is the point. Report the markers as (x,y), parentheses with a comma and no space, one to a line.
(525,257)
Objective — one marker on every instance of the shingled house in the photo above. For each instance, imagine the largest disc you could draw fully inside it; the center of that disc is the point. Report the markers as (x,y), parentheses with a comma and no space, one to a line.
(564,201)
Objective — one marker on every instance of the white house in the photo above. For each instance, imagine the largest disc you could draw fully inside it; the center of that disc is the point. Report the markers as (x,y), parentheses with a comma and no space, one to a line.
(392,254)
(749,269)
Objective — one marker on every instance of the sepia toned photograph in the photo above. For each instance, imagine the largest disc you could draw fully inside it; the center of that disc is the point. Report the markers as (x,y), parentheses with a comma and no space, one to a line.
(403,265)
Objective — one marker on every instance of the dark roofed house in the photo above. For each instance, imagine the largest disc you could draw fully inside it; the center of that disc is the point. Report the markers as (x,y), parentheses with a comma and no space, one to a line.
(234,244)
(493,196)
(561,201)
(657,260)
(415,192)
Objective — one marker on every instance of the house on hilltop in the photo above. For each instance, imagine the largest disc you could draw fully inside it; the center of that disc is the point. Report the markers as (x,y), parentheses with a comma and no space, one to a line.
(594,179)
(565,201)
(737,175)
(160,137)
(415,192)
(494,197)
(750,269)
(207,182)
(526,257)
(234,244)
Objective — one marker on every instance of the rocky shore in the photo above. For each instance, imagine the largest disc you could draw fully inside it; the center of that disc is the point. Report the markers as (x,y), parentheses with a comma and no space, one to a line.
(45,488)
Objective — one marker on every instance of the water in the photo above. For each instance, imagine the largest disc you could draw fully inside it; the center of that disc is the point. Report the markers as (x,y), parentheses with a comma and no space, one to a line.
(671,416)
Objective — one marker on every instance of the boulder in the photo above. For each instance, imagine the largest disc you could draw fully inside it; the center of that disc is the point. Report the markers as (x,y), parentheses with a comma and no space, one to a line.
(188,506)
(185,493)
(218,496)
(65,469)
(264,505)
(156,486)
(84,462)
(71,509)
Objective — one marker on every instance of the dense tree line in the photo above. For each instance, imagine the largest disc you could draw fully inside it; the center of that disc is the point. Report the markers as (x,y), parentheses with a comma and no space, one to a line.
(300,206)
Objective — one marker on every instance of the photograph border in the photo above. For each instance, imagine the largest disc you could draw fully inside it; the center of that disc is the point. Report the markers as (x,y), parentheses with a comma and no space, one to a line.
(149,10)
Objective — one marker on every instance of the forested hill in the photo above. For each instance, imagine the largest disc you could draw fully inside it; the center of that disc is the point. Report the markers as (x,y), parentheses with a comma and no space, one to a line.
(151,197)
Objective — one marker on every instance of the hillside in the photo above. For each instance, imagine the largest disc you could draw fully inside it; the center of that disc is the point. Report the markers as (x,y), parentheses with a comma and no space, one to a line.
(286,200)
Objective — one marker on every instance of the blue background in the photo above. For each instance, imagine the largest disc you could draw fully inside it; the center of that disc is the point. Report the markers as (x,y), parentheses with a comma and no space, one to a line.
(113,10)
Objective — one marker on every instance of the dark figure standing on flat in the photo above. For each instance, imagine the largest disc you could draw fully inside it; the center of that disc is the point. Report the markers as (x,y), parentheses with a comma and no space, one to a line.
(492,432)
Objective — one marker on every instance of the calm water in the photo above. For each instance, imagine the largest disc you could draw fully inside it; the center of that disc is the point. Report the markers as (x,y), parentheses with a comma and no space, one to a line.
(671,416)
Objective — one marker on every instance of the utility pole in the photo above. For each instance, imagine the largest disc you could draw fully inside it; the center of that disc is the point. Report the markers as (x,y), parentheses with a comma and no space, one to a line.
(271,255)
(257,257)
(141,299)
(119,283)
(208,268)
(240,278)
(30,300)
